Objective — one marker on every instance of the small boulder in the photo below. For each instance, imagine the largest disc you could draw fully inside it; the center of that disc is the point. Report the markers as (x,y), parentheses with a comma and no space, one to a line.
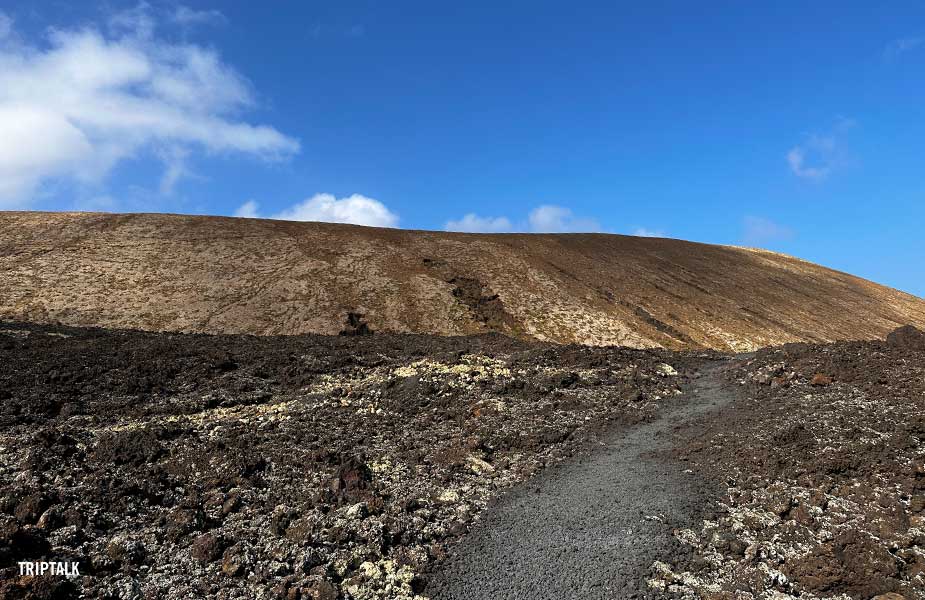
(448,497)
(123,549)
(820,380)
(907,338)
(50,519)
(321,590)
(358,511)
(182,521)
(479,466)
(206,548)
(666,370)
(352,481)
(231,504)
(233,561)
(31,508)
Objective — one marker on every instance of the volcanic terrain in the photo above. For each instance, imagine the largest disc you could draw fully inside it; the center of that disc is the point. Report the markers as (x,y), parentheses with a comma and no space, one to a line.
(501,416)
(326,467)
(227,275)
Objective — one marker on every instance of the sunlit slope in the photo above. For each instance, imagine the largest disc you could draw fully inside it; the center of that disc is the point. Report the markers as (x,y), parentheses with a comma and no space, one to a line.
(216,274)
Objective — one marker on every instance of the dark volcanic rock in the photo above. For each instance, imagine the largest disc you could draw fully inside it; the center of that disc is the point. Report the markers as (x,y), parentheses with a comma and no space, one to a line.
(305,465)
(834,469)
(38,588)
(907,337)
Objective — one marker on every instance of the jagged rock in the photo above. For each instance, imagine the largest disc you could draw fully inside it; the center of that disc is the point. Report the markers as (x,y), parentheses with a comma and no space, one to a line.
(206,548)
(233,561)
(358,511)
(907,337)
(666,370)
(124,549)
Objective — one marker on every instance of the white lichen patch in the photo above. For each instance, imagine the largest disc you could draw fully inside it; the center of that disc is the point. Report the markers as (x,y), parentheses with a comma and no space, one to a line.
(473,366)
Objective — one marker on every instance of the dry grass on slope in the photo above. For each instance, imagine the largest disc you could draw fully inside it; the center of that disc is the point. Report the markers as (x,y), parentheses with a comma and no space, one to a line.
(224,275)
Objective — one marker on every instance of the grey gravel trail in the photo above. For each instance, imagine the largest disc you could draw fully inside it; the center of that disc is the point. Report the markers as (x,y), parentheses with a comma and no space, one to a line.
(588,528)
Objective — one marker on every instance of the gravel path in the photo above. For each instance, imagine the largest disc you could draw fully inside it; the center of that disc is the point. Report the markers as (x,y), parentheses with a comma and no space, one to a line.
(590,528)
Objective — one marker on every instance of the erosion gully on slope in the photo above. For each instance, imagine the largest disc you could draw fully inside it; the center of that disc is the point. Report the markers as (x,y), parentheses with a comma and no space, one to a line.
(591,528)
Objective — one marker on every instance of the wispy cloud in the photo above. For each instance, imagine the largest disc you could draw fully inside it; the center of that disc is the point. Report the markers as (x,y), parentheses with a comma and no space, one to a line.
(189,17)
(819,154)
(822,147)
(757,231)
(82,101)
(175,168)
(900,46)
(355,209)
(547,218)
(247,210)
(138,21)
(473,223)
(644,232)
(550,218)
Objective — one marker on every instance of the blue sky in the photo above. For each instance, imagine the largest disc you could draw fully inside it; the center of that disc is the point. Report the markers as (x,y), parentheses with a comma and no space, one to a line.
(793,126)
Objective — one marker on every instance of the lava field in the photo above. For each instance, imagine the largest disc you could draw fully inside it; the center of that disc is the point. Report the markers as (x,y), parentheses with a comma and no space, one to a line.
(327,467)
(823,461)
(171,465)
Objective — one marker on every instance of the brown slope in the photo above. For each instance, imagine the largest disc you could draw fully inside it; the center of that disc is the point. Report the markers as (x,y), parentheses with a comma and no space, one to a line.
(217,274)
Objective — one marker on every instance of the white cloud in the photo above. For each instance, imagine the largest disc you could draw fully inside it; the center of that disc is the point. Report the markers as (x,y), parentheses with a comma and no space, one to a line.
(473,223)
(188,17)
(558,219)
(355,209)
(138,21)
(643,232)
(821,154)
(175,168)
(547,218)
(820,165)
(83,101)
(24,159)
(759,230)
(900,46)
(248,210)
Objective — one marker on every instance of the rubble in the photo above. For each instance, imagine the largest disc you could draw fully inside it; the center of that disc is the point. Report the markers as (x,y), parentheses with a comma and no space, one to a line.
(171,465)
(824,478)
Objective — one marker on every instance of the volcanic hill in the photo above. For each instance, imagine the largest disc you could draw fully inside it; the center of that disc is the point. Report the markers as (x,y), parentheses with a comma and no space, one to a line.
(228,275)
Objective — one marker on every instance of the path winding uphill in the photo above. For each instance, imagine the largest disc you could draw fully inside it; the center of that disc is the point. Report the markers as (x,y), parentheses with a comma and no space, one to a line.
(589,529)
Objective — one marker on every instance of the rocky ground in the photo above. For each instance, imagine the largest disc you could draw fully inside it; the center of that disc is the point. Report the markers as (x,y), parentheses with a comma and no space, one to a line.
(313,467)
(308,467)
(823,461)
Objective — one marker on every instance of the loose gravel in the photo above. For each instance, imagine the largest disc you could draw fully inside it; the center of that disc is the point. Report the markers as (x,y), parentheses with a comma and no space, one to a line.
(589,528)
